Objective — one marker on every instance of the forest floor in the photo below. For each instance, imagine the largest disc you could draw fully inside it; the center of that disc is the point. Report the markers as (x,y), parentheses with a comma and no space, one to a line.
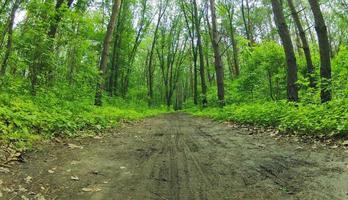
(177,156)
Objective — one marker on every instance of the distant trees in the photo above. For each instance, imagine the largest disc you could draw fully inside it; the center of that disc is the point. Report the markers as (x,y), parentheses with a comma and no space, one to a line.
(175,51)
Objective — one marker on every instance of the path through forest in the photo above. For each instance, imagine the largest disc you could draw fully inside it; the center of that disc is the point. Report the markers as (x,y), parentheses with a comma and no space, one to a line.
(177,156)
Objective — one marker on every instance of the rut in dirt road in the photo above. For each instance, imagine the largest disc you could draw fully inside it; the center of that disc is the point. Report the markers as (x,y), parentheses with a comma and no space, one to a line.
(177,156)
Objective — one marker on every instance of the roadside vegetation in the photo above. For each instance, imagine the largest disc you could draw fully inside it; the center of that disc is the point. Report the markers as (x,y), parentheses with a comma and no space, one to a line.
(73,65)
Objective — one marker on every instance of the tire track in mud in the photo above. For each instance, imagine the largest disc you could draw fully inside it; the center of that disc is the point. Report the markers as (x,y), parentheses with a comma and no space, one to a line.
(179,157)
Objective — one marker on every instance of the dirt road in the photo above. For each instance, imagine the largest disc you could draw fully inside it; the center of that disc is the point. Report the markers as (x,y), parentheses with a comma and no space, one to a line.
(177,156)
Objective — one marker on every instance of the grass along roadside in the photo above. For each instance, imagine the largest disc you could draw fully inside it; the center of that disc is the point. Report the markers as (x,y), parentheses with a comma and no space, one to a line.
(327,120)
(24,122)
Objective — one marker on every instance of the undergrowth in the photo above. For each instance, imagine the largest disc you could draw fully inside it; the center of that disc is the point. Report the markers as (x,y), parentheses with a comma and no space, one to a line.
(329,120)
(25,120)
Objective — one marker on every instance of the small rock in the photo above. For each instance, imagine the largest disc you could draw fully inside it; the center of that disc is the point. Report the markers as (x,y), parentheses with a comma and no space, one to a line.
(74,178)
(122,167)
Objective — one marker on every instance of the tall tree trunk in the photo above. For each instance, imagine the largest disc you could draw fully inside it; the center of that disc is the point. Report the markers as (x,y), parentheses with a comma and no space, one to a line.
(9,39)
(324,48)
(283,30)
(234,42)
(105,52)
(201,54)
(150,69)
(219,68)
(305,45)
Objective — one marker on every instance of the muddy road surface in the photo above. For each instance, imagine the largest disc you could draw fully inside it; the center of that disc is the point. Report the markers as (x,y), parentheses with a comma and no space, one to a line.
(177,156)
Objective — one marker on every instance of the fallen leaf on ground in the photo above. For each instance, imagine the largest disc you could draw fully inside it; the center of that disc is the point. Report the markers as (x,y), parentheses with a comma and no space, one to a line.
(98,137)
(93,189)
(75,178)
(4,170)
(22,189)
(74,162)
(50,171)
(24,197)
(74,146)
(28,179)
(39,197)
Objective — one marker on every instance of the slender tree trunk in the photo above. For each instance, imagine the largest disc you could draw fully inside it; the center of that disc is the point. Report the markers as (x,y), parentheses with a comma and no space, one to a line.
(9,39)
(105,52)
(150,59)
(201,55)
(324,48)
(305,45)
(234,43)
(217,55)
(284,34)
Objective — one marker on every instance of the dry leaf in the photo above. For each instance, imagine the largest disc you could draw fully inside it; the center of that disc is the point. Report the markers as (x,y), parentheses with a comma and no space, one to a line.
(94,189)
(39,197)
(24,197)
(22,189)
(4,170)
(75,178)
(50,171)
(74,146)
(28,179)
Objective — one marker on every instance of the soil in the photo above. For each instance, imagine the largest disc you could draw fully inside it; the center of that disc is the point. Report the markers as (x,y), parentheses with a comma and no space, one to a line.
(177,156)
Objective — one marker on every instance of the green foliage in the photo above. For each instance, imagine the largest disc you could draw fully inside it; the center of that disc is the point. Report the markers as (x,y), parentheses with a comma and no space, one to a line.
(327,119)
(24,119)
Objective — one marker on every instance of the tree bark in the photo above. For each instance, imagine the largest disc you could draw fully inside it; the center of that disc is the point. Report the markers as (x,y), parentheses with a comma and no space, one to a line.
(105,52)
(283,30)
(201,54)
(219,69)
(9,39)
(324,48)
(305,45)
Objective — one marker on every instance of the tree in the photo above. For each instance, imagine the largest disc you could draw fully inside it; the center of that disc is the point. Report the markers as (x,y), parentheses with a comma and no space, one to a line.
(219,69)
(324,48)
(292,90)
(105,52)
(305,45)
(9,39)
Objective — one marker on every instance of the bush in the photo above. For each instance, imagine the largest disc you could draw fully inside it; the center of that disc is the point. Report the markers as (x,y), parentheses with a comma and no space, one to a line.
(329,119)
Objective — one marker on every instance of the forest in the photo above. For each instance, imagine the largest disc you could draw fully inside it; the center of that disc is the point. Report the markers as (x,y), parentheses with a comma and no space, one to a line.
(73,65)
(173,99)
